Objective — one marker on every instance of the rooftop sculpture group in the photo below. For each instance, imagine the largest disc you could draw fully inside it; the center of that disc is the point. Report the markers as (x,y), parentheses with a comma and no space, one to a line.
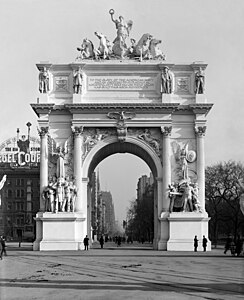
(146,48)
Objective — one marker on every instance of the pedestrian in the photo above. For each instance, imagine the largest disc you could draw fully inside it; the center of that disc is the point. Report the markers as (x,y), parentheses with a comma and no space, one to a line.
(195,243)
(86,242)
(118,241)
(3,245)
(101,241)
(227,244)
(204,243)
(239,245)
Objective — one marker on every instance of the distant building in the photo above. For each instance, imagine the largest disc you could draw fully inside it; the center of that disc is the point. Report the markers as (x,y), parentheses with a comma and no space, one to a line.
(142,185)
(109,215)
(20,196)
(102,210)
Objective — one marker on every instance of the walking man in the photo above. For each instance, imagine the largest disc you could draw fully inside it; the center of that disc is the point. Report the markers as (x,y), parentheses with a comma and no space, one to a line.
(86,242)
(101,240)
(204,243)
(195,243)
(3,245)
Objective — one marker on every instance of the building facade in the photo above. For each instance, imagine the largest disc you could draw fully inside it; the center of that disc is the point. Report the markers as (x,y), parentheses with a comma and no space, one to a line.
(20,195)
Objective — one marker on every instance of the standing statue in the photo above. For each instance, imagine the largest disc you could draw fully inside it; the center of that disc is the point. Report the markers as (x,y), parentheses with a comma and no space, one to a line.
(167,81)
(199,81)
(59,187)
(43,81)
(195,201)
(187,197)
(123,31)
(60,152)
(70,192)
(78,77)
(184,163)
(48,196)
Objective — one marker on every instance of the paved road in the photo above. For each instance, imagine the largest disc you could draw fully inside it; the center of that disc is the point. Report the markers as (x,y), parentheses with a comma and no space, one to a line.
(120,273)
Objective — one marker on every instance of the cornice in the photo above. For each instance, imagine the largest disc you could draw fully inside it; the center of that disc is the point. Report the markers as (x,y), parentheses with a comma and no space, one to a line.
(139,107)
(44,108)
(201,108)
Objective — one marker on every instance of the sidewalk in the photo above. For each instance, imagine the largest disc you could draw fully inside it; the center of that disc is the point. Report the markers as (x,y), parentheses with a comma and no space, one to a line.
(119,273)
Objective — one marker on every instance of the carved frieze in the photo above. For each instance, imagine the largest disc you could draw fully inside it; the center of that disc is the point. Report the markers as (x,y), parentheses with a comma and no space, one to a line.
(93,135)
(151,136)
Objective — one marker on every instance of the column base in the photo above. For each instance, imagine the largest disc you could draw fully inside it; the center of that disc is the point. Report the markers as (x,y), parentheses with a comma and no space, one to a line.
(60,231)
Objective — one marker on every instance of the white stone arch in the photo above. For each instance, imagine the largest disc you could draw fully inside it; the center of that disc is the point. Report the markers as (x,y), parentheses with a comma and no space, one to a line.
(137,147)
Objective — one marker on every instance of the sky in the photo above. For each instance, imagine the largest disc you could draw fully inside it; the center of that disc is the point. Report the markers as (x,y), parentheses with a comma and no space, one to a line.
(212,31)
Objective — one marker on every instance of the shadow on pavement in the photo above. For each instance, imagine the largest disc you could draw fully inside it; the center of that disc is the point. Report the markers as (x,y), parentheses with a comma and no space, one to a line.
(217,288)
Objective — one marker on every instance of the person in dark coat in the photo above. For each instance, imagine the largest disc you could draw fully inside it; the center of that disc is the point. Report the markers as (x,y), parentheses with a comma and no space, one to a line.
(86,242)
(228,243)
(101,241)
(3,245)
(195,243)
(118,241)
(204,243)
(239,245)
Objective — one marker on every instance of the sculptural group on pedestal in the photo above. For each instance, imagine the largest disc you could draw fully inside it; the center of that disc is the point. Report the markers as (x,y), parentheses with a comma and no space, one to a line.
(146,48)
(184,194)
(60,195)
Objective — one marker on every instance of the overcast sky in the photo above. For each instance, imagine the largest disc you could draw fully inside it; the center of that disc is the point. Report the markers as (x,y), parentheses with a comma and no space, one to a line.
(191,30)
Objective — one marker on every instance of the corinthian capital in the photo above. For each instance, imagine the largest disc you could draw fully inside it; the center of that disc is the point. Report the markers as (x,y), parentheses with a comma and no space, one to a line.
(77,130)
(166,130)
(42,131)
(200,130)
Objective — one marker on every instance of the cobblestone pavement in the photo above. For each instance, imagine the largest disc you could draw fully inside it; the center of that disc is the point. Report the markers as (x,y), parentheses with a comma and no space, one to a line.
(120,273)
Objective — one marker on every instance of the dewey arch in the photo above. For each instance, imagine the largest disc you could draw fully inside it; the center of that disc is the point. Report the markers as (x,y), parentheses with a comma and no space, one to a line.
(121,106)
(140,149)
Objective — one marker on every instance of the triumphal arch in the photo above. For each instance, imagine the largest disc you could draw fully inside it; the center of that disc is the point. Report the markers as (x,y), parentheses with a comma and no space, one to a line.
(121,98)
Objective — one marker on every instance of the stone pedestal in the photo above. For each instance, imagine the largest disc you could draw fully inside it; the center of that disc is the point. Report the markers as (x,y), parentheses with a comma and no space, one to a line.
(60,231)
(166,98)
(201,98)
(77,98)
(183,227)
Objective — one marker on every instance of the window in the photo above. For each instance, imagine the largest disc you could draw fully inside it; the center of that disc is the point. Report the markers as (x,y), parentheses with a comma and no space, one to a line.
(9,194)
(19,206)
(19,181)
(20,193)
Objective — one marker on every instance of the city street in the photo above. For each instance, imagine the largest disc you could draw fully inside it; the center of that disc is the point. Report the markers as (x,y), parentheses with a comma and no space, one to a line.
(128,272)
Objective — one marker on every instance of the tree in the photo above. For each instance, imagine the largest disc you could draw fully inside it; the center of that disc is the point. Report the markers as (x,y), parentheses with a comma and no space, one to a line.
(223,197)
(140,217)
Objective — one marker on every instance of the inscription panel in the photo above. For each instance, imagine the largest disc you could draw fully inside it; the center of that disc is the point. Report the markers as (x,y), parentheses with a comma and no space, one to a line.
(114,83)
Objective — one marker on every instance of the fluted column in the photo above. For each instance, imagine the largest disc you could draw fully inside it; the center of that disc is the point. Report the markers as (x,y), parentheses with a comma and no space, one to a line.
(200,133)
(43,132)
(166,131)
(78,142)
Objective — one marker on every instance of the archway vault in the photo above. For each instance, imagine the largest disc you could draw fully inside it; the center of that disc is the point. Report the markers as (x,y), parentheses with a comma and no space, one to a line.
(110,146)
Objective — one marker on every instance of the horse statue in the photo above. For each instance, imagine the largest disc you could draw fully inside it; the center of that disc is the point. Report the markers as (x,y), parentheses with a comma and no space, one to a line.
(104,46)
(142,47)
(154,51)
(86,49)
